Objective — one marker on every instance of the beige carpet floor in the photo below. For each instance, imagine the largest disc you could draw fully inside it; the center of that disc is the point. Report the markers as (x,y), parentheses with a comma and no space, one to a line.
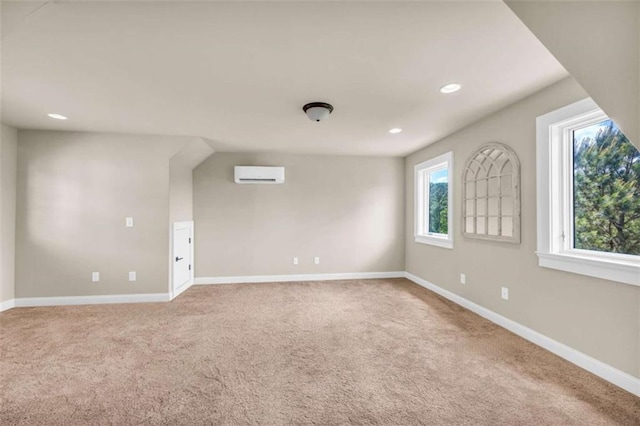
(383,352)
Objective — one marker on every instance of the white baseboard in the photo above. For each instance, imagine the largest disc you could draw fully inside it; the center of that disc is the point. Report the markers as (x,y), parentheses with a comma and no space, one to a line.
(298,277)
(599,368)
(166,297)
(7,304)
(181,290)
(90,300)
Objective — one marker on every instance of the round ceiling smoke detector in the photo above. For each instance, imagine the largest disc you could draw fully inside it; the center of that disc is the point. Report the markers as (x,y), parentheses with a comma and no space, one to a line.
(317,111)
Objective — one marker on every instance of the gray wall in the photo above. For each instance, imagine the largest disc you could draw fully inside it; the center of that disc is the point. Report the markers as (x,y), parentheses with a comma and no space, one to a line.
(180,191)
(8,165)
(594,316)
(181,167)
(587,38)
(349,211)
(74,191)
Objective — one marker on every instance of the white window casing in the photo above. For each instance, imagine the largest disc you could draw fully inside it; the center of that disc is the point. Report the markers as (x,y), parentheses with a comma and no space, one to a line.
(554,200)
(422,172)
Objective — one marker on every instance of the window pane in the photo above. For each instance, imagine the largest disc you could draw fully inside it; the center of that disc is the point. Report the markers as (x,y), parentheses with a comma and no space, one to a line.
(471,190)
(606,190)
(494,210)
(493,187)
(506,183)
(481,209)
(469,224)
(481,188)
(493,226)
(480,228)
(438,202)
(507,206)
(470,207)
(507,226)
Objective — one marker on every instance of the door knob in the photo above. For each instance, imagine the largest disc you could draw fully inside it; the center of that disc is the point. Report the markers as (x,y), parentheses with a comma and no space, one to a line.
(179,258)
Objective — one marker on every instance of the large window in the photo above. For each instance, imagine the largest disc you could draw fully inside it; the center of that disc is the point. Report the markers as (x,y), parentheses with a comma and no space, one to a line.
(606,190)
(588,195)
(434,201)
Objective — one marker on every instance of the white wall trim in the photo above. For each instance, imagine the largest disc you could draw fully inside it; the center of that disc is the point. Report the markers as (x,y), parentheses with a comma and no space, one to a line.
(599,368)
(298,277)
(627,272)
(181,290)
(90,300)
(166,297)
(7,304)
(555,199)
(434,241)
(420,188)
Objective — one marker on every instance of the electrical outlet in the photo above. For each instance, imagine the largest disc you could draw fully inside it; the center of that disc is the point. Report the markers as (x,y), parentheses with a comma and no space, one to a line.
(95,277)
(316,260)
(505,293)
(132,276)
(463,279)
(295,260)
(128,222)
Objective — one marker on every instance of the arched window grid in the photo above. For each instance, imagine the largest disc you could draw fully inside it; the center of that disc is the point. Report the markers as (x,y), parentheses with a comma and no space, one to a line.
(491,194)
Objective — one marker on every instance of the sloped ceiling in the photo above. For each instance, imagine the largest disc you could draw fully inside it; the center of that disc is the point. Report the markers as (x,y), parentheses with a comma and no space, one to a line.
(192,154)
(599,44)
(238,73)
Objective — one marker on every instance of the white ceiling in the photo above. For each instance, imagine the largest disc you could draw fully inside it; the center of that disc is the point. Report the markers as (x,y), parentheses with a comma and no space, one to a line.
(239,73)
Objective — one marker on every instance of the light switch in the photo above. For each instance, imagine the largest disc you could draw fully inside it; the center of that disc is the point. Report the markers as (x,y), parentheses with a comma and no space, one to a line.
(132,276)
(316,260)
(129,222)
(95,277)
(505,293)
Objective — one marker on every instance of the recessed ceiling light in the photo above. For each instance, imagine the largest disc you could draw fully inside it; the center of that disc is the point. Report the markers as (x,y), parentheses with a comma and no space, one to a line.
(57,116)
(450,88)
(395,130)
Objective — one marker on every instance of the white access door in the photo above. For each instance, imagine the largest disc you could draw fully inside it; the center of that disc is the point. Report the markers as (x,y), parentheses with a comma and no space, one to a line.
(182,254)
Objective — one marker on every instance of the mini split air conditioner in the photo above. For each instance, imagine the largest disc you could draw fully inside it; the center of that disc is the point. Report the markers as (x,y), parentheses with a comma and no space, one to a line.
(253,174)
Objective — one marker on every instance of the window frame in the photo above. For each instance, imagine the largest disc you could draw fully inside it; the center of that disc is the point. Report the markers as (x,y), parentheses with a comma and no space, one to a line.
(421,207)
(555,243)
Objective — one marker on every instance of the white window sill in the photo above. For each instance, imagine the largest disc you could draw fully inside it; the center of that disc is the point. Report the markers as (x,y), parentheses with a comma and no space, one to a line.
(622,271)
(435,241)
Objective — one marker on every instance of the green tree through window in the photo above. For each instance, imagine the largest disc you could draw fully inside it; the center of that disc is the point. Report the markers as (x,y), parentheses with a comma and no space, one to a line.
(438,202)
(606,180)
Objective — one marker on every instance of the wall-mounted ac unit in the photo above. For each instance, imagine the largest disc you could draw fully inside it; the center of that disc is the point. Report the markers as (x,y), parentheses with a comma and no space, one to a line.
(253,174)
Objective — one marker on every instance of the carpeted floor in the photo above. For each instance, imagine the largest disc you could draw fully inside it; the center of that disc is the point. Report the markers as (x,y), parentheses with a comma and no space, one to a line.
(384,352)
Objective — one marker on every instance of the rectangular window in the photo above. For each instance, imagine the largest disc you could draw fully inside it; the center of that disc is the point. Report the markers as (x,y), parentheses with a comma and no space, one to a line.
(588,195)
(438,202)
(433,202)
(606,190)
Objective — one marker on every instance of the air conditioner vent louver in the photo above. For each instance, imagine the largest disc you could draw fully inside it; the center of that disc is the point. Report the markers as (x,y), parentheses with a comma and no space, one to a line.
(258,174)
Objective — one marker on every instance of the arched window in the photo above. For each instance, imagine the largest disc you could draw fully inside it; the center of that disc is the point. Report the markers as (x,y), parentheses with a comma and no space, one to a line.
(491,194)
